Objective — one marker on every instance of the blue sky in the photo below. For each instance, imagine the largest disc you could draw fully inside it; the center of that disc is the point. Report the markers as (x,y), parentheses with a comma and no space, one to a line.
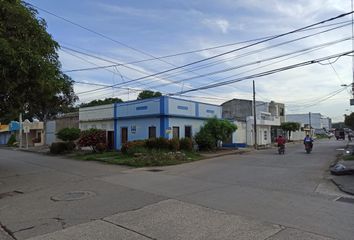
(160,28)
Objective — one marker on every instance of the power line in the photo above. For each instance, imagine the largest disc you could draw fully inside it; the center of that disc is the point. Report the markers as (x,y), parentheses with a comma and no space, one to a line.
(266,73)
(103,59)
(111,39)
(193,51)
(257,51)
(261,61)
(241,48)
(325,99)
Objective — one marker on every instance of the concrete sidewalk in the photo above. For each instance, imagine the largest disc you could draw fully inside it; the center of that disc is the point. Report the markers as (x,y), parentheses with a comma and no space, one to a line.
(173,219)
(345,182)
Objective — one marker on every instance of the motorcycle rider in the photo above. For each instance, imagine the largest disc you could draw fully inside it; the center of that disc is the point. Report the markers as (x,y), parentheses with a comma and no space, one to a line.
(280,141)
(308,140)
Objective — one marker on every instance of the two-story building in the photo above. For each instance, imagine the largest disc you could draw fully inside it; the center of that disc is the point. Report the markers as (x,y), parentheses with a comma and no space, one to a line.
(269,116)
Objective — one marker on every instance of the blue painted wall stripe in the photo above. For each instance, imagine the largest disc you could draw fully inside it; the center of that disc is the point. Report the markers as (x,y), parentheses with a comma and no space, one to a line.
(162,113)
(166,102)
(166,112)
(115,127)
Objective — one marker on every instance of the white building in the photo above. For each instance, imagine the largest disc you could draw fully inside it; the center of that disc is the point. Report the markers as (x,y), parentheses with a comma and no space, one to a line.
(316,120)
(268,119)
(160,117)
(149,118)
(98,117)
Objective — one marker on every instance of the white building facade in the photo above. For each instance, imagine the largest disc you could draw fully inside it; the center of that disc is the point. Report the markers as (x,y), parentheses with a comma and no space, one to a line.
(160,117)
(316,120)
(269,116)
(98,117)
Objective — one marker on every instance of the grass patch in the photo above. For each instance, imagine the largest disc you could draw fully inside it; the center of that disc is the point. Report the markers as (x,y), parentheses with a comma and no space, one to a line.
(348,158)
(147,159)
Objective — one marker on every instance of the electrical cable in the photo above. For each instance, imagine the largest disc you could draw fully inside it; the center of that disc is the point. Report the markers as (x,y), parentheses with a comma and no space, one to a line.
(237,49)
(266,73)
(258,62)
(191,51)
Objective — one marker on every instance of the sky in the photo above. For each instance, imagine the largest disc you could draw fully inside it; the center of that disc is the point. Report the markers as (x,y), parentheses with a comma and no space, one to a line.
(145,34)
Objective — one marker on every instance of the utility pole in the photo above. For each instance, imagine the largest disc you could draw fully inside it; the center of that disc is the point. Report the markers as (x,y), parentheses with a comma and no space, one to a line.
(20,134)
(310,122)
(254,116)
(352,100)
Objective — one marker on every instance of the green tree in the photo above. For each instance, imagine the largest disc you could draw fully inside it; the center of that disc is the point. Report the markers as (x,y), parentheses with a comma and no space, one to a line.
(30,77)
(69,134)
(101,102)
(349,120)
(214,130)
(290,127)
(148,94)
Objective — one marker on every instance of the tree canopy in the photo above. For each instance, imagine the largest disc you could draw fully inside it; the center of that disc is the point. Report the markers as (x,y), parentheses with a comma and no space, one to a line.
(214,130)
(101,102)
(30,77)
(349,120)
(290,127)
(148,94)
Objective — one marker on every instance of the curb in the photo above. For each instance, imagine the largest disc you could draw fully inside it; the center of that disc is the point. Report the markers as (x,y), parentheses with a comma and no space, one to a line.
(225,154)
(340,187)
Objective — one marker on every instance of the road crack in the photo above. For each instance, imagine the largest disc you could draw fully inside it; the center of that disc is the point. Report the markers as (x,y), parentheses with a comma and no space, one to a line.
(8,231)
(131,230)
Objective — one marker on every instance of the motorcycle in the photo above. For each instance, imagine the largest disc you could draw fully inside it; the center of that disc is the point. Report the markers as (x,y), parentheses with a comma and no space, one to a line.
(308,147)
(281,149)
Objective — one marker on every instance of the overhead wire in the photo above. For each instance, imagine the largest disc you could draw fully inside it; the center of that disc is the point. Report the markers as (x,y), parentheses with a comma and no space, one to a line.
(258,61)
(266,73)
(111,39)
(244,47)
(191,51)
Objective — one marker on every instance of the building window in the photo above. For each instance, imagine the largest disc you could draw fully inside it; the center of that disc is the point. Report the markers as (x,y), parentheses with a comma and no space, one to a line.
(152,132)
(281,112)
(188,132)
(175,132)
(265,135)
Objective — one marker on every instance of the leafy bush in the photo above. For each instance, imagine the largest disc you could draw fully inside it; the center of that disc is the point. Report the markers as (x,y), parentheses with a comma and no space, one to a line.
(70,146)
(58,148)
(12,140)
(100,147)
(205,140)
(132,144)
(157,143)
(91,137)
(69,134)
(173,144)
(186,144)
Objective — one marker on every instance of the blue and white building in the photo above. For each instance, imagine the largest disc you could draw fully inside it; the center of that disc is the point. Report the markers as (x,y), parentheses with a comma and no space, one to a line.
(160,117)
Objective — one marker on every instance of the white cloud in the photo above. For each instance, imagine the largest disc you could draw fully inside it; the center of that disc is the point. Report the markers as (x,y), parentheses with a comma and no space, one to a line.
(217,24)
(188,26)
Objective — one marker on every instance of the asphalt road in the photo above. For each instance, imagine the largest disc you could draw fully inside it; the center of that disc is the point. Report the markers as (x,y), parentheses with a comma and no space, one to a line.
(258,195)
